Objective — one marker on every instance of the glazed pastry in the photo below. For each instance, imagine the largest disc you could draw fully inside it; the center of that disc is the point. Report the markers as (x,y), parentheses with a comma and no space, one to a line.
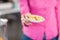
(35,18)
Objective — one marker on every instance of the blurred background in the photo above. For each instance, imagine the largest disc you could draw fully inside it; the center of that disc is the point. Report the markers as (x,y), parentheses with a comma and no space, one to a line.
(9,9)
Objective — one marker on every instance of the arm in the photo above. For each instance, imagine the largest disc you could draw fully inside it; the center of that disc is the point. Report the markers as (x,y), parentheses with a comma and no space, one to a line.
(24,7)
(58,15)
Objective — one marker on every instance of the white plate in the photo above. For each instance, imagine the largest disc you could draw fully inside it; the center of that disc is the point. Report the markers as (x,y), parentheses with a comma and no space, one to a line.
(42,19)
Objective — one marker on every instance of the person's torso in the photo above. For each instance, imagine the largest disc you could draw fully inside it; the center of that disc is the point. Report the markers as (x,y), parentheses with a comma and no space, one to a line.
(44,8)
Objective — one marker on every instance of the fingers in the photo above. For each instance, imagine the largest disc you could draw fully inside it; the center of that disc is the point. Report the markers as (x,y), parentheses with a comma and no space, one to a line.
(27,22)
(22,18)
(25,19)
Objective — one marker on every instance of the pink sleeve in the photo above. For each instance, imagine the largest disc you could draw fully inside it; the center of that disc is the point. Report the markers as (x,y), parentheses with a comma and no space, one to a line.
(58,13)
(24,6)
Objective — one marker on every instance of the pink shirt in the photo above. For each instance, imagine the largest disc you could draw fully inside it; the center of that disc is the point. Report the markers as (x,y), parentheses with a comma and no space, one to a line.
(50,10)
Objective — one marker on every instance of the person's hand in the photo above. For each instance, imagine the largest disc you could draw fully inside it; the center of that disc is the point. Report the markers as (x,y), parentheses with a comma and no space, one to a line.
(25,20)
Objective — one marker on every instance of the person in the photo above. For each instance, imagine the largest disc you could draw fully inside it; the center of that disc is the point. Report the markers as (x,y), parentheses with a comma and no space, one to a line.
(47,30)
